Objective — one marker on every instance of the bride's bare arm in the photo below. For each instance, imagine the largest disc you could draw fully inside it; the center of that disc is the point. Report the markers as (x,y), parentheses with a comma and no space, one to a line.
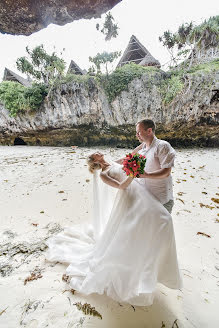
(133,152)
(114,183)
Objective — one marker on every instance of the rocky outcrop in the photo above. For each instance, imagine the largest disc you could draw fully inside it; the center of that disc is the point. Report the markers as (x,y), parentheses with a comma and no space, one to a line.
(80,114)
(29,16)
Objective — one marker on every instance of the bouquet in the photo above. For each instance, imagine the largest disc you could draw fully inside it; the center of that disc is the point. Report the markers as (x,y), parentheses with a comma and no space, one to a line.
(133,165)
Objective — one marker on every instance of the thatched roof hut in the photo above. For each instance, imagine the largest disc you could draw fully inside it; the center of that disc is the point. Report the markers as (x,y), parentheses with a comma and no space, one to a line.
(149,60)
(138,54)
(75,69)
(11,76)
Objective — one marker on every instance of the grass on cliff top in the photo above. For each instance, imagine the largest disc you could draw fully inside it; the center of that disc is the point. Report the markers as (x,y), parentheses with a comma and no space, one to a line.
(82,79)
(208,67)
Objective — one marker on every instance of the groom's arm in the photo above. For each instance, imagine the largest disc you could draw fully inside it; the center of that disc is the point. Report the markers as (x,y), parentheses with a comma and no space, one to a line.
(159,174)
(166,156)
(136,150)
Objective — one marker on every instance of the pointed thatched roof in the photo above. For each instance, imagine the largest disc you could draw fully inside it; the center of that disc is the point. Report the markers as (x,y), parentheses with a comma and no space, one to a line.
(149,60)
(75,69)
(135,53)
(11,76)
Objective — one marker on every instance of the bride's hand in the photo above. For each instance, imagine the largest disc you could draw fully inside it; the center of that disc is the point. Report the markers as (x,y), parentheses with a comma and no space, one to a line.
(144,175)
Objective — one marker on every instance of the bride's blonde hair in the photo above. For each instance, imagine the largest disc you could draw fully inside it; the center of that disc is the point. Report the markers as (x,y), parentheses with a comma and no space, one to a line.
(92,166)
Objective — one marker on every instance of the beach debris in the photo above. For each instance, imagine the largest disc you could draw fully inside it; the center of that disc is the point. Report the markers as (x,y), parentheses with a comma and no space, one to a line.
(203,234)
(204,192)
(61,192)
(35,224)
(180,193)
(3,310)
(175,325)
(69,290)
(29,307)
(133,307)
(64,199)
(163,325)
(185,210)
(9,233)
(207,206)
(41,212)
(217,220)
(192,176)
(181,200)
(201,167)
(36,274)
(216,200)
(74,147)
(88,309)
(66,278)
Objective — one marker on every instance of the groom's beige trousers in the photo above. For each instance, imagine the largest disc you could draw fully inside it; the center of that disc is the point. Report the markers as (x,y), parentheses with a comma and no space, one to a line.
(169,205)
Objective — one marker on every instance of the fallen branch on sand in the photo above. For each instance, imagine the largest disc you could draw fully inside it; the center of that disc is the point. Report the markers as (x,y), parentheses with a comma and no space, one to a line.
(88,309)
(66,278)
(203,234)
(33,276)
(3,310)
(207,206)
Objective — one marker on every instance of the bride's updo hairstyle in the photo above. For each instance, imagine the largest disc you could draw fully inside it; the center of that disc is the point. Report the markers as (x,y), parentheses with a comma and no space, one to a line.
(92,166)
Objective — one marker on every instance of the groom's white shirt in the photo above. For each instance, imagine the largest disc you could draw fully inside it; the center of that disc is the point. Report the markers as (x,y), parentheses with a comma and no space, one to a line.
(159,155)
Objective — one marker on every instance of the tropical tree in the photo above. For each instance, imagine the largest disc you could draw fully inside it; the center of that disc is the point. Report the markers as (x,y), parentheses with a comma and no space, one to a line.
(41,66)
(193,42)
(103,60)
(109,29)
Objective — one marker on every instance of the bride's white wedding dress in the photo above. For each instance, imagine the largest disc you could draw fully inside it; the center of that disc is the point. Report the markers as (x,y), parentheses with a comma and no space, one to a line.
(127,251)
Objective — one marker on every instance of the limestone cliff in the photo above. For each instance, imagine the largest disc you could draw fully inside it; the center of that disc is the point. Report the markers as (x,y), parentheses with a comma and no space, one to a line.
(81,114)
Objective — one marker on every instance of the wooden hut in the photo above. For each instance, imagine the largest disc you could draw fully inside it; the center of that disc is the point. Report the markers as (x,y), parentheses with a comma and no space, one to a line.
(75,69)
(11,76)
(138,54)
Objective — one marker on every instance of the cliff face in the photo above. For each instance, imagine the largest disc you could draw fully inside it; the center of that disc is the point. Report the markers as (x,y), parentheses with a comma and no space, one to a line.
(81,114)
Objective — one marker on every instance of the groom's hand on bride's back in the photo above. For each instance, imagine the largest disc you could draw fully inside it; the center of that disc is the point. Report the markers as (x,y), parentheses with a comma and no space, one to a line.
(159,174)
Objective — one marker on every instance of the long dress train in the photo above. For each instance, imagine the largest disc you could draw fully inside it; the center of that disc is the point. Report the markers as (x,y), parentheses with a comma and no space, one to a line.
(129,250)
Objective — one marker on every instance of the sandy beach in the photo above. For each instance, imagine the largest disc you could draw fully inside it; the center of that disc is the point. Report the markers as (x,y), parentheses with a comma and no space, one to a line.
(44,189)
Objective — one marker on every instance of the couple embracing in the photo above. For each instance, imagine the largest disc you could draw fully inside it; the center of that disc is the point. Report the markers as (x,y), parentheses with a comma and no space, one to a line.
(130,246)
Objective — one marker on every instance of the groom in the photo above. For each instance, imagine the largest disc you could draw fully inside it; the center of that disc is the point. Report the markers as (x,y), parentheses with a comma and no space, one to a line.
(160,159)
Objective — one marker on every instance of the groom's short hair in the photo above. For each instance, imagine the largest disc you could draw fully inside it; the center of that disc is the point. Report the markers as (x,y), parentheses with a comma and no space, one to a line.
(148,124)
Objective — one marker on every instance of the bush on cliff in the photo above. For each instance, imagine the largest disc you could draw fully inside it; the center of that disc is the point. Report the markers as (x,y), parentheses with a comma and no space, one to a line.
(17,98)
(118,81)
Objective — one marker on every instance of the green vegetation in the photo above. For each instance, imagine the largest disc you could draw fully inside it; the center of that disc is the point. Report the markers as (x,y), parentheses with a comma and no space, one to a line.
(103,59)
(17,98)
(208,67)
(45,71)
(192,41)
(174,84)
(109,29)
(170,88)
(70,77)
(118,81)
(41,66)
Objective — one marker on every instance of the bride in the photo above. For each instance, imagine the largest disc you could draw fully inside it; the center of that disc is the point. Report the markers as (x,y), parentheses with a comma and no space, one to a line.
(129,248)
